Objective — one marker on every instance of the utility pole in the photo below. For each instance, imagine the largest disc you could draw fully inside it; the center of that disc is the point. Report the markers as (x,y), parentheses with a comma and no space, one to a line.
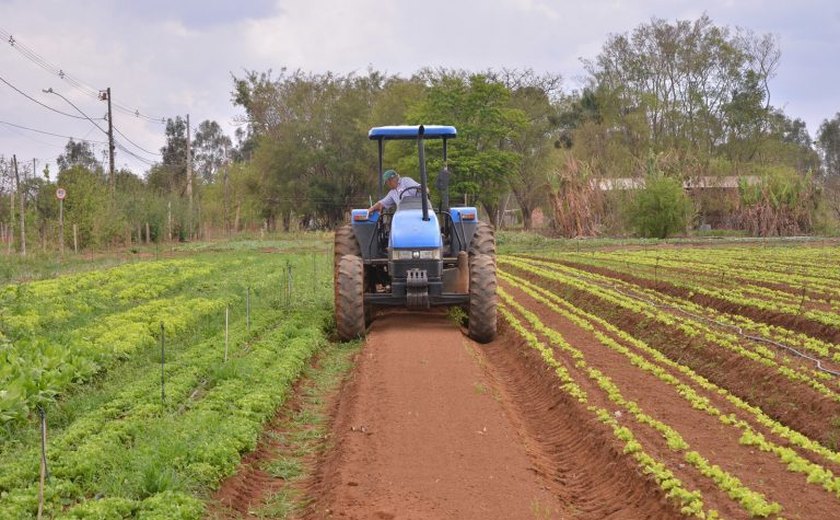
(11,223)
(22,215)
(111,178)
(189,180)
(226,193)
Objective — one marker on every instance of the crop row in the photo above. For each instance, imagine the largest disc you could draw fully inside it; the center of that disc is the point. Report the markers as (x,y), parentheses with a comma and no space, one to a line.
(34,370)
(38,307)
(39,363)
(808,262)
(130,456)
(689,501)
(803,295)
(735,323)
(145,462)
(753,502)
(655,363)
(685,324)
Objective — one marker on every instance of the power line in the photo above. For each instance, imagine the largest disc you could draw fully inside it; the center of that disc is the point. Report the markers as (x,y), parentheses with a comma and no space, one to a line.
(135,144)
(69,115)
(27,96)
(79,110)
(50,133)
(69,78)
(143,160)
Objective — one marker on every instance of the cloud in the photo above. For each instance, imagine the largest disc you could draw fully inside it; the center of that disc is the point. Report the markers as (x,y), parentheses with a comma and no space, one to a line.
(169,58)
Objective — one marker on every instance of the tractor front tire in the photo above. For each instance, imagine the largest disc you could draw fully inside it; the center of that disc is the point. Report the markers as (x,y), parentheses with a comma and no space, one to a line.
(484,240)
(482,309)
(345,244)
(349,298)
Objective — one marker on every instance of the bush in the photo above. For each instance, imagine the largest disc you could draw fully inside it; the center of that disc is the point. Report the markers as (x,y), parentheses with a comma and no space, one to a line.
(661,209)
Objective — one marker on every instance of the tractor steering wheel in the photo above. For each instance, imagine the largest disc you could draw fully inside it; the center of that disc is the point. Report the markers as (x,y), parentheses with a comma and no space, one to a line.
(418,187)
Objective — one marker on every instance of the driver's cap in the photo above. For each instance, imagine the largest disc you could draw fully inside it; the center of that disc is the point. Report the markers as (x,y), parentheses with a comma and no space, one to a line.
(388,175)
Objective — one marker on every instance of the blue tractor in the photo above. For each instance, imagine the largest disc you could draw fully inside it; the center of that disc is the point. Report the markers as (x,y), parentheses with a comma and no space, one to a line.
(415,257)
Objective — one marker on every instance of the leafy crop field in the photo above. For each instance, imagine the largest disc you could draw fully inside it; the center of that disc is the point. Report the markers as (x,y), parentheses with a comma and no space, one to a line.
(650,380)
(715,370)
(149,398)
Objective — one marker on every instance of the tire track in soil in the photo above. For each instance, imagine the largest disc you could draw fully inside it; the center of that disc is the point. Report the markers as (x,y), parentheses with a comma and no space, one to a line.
(431,425)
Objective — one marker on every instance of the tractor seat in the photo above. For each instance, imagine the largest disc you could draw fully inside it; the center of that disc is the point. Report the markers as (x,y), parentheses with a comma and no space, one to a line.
(408,203)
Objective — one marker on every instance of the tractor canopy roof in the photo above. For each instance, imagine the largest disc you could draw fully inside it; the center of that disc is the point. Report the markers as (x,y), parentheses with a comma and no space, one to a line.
(412,132)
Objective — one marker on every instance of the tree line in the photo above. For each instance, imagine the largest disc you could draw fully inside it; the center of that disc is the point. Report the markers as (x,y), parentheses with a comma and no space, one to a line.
(671,103)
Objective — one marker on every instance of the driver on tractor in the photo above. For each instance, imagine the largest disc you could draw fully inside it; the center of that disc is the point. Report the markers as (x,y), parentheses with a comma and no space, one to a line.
(398,187)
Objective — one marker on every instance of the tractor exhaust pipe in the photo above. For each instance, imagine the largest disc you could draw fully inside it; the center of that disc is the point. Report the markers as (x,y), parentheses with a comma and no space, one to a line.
(423,178)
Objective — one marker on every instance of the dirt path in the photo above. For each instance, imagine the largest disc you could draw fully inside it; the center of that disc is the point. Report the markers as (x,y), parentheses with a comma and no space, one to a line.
(434,426)
(420,433)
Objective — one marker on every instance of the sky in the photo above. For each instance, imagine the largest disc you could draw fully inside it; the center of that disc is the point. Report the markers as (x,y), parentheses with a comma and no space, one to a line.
(163,59)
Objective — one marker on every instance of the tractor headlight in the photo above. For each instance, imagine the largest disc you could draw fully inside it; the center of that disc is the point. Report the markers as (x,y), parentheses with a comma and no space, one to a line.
(421,254)
(430,254)
(401,254)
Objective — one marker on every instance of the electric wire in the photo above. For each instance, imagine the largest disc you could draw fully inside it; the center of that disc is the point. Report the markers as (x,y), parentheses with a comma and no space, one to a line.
(69,115)
(135,144)
(69,78)
(27,96)
(52,134)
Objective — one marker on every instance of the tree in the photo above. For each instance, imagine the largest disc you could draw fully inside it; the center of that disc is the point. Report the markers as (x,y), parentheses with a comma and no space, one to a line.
(312,154)
(828,140)
(695,85)
(78,153)
(539,98)
(86,206)
(210,150)
(481,159)
(170,176)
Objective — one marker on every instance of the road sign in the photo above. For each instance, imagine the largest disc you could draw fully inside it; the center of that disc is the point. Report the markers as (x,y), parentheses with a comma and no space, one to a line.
(60,193)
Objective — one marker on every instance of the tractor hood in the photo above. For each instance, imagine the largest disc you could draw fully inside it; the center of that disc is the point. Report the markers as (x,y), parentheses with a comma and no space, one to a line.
(409,230)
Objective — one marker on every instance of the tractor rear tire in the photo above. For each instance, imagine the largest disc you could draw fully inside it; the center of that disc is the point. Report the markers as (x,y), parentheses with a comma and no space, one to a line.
(482,309)
(345,244)
(484,240)
(349,298)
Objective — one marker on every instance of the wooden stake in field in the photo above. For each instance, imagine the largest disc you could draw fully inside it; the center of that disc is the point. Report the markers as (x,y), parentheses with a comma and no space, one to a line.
(60,194)
(227,324)
(43,415)
(162,364)
(288,283)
